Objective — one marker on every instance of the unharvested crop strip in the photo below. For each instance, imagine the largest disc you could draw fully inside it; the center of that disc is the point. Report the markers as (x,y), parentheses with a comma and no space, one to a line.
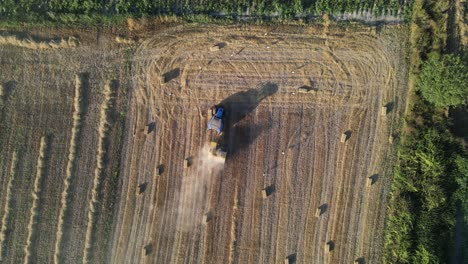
(2,95)
(35,195)
(104,125)
(7,209)
(79,86)
(29,43)
(232,244)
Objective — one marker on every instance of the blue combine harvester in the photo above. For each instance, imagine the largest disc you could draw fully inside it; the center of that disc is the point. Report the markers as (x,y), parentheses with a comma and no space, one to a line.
(216,123)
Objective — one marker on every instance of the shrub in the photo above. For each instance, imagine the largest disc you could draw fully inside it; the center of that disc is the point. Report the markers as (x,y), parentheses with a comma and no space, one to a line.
(444,81)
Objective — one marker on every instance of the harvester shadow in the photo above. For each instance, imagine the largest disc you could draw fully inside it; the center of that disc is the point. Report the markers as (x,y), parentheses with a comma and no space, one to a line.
(237,106)
(243,135)
(240,104)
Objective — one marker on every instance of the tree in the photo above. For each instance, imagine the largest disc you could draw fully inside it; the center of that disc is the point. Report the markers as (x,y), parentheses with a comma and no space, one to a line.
(444,81)
(423,256)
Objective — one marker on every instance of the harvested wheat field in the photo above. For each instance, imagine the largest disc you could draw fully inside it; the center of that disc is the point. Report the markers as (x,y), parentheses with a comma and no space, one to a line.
(53,137)
(309,151)
(104,147)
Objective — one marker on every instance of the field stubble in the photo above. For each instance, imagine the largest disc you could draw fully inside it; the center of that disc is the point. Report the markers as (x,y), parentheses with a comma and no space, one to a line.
(42,100)
(277,138)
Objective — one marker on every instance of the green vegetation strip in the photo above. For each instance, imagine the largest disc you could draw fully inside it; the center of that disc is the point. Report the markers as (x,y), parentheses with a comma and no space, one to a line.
(92,12)
(430,182)
(428,208)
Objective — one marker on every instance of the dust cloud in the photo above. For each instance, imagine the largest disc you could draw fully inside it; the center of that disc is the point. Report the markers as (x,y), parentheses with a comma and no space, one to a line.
(196,188)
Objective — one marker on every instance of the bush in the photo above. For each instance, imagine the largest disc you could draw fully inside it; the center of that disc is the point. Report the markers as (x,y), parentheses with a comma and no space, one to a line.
(444,81)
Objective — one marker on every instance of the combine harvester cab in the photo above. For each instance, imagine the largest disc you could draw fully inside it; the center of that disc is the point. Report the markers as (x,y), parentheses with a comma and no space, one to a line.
(216,123)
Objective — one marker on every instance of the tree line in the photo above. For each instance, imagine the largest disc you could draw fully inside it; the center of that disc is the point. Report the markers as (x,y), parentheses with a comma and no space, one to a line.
(428,208)
(285,8)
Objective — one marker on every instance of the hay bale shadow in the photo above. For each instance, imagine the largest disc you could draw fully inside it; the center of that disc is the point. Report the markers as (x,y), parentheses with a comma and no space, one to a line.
(331,245)
(114,85)
(207,217)
(142,187)
(348,135)
(270,190)
(221,45)
(374,178)
(389,106)
(188,162)
(291,259)
(218,46)
(170,75)
(360,261)
(151,127)
(323,208)
(160,169)
(307,89)
(148,249)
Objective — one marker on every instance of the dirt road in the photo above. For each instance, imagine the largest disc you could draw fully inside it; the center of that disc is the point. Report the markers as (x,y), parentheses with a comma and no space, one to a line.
(277,138)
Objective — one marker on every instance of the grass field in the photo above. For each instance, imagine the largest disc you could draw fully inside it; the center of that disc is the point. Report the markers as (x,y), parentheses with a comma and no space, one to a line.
(79,168)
